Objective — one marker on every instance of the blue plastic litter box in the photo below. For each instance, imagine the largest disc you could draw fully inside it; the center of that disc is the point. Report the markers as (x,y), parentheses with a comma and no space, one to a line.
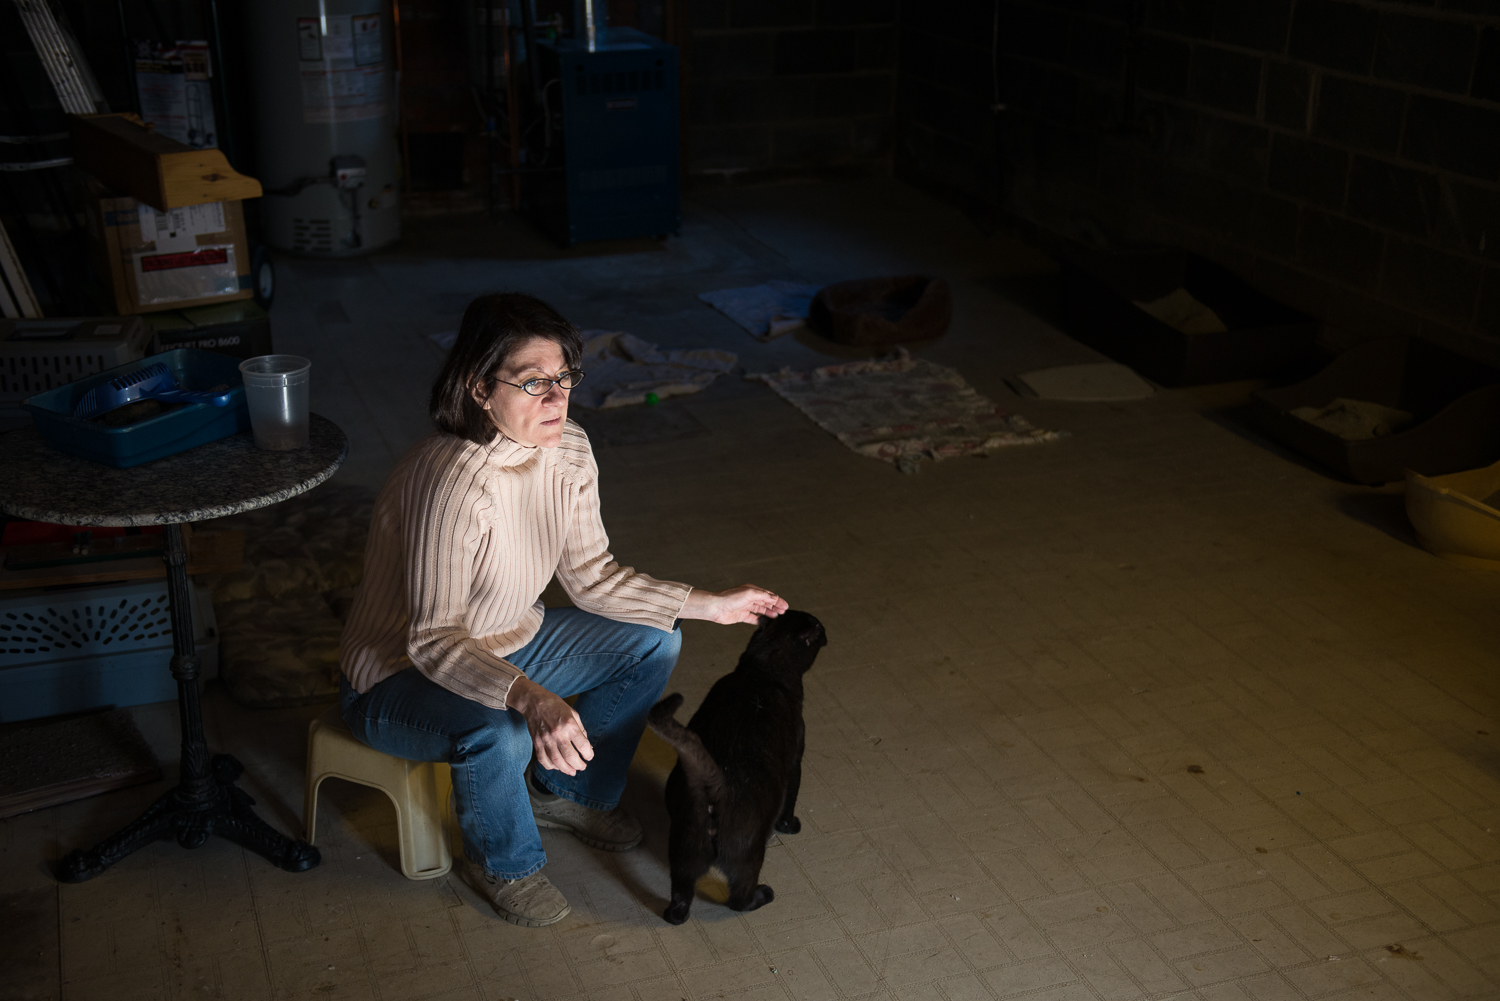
(156,437)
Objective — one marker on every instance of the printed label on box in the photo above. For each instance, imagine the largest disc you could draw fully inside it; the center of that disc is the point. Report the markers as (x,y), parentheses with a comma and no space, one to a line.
(179,229)
(177,276)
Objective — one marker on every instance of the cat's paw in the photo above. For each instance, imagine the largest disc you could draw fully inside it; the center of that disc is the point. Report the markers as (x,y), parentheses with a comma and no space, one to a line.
(792,826)
(677,912)
(762,896)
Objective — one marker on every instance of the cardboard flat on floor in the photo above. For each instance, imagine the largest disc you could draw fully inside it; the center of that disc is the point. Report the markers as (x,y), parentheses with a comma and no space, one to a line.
(51,763)
(1095,383)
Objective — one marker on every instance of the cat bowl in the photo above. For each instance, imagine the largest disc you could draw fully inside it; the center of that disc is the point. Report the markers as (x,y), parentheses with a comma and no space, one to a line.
(1453,516)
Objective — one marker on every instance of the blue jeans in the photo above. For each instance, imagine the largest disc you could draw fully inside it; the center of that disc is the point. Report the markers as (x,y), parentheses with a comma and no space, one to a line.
(616,669)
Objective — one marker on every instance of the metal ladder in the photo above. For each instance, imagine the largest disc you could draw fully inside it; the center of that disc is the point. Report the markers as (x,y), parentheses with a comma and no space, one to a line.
(16,297)
(70,76)
(79,95)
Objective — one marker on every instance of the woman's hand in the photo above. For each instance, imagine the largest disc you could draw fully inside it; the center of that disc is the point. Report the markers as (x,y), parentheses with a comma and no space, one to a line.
(746,603)
(556,731)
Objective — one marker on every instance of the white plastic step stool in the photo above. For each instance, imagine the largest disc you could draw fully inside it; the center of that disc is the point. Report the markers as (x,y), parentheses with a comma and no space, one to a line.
(419,790)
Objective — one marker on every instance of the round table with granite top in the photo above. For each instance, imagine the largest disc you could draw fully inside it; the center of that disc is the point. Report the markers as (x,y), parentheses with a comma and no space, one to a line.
(220,478)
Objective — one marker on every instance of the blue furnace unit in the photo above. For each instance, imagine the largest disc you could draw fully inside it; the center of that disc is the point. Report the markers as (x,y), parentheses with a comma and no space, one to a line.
(621,166)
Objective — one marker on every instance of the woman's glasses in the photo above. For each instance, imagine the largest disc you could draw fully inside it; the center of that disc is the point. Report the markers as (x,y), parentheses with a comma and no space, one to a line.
(541,387)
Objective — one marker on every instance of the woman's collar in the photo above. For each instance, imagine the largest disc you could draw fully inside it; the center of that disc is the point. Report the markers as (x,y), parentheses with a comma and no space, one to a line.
(507,453)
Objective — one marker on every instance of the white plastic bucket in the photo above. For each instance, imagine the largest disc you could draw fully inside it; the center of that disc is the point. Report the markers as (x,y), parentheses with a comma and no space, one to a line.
(276,388)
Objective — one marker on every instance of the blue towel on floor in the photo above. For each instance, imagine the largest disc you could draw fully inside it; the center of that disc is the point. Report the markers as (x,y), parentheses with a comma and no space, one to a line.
(767,311)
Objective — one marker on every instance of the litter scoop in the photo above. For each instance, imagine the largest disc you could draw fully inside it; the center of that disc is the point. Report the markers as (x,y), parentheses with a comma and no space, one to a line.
(154,382)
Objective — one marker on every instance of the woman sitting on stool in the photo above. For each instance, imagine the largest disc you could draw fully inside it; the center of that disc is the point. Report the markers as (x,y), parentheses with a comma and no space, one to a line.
(448,653)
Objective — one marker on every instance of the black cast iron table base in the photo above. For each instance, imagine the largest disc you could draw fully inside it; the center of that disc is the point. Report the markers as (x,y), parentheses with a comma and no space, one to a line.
(225,812)
(206,801)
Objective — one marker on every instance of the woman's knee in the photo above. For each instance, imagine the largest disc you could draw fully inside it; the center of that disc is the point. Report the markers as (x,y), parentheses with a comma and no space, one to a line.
(502,740)
(663,656)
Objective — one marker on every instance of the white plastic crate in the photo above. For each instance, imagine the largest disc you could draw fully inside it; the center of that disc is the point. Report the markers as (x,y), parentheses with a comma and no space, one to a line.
(38,355)
(67,650)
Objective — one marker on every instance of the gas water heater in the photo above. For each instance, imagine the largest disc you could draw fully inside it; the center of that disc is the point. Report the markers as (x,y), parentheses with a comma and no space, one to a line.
(325,108)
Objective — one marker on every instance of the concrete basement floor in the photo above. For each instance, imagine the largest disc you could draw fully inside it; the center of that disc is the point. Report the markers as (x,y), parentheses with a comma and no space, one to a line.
(1153,711)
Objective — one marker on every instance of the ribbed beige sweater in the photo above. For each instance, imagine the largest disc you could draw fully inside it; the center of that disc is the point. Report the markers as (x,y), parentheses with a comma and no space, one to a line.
(463,539)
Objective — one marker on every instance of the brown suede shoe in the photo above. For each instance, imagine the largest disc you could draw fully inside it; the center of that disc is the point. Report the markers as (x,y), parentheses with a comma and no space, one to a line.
(531,902)
(612,830)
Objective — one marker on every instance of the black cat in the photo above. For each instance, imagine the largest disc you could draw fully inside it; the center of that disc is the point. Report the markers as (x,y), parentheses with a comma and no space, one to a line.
(739,764)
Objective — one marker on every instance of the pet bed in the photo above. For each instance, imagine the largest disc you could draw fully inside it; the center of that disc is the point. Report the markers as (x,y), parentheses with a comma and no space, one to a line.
(1179,319)
(880,312)
(902,410)
(1457,516)
(1453,403)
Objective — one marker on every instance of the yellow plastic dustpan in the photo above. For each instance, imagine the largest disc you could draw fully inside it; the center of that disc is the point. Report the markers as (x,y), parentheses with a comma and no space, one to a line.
(1451,520)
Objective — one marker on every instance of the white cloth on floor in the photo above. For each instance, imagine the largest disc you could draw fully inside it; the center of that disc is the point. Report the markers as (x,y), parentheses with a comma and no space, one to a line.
(622,368)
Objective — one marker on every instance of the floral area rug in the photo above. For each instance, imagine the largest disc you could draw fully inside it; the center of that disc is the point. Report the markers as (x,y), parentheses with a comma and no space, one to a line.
(903,410)
(280,616)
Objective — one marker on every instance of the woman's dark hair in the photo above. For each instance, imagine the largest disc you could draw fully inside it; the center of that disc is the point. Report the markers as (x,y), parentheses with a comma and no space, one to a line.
(493,327)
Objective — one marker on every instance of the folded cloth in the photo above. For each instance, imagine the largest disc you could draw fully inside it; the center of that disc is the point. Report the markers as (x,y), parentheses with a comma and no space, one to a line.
(622,369)
(1180,310)
(767,311)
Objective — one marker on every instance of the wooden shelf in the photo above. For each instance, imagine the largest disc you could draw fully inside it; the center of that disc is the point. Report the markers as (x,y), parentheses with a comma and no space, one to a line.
(123,153)
(208,552)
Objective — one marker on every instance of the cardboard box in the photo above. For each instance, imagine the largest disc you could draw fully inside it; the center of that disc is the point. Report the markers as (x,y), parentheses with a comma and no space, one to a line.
(241,329)
(184,257)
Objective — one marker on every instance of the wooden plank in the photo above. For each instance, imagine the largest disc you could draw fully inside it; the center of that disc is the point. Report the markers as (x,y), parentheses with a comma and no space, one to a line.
(208,552)
(126,155)
(40,798)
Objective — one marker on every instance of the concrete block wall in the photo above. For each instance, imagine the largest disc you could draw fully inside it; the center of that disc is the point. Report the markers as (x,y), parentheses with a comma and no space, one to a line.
(1344,155)
(790,83)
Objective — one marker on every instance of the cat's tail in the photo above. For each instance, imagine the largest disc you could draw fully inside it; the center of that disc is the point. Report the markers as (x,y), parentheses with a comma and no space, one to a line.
(698,765)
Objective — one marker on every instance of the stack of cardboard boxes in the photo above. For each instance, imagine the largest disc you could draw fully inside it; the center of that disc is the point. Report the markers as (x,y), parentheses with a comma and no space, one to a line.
(167,228)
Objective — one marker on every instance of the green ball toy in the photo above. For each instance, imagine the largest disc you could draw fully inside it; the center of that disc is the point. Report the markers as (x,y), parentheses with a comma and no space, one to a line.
(652,399)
